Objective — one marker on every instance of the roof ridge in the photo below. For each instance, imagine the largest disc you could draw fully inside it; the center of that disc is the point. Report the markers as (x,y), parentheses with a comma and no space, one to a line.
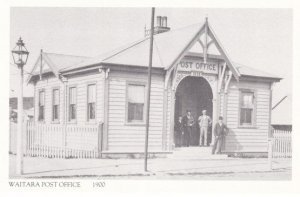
(66,54)
(109,54)
(125,48)
(144,39)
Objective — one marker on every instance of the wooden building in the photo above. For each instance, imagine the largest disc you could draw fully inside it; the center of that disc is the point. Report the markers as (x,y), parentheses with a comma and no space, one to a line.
(111,88)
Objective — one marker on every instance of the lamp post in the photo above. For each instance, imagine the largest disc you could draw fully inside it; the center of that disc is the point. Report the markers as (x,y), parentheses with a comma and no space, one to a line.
(20,56)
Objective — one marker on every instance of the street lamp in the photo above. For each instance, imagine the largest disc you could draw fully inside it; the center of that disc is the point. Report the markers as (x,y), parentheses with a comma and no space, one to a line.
(20,56)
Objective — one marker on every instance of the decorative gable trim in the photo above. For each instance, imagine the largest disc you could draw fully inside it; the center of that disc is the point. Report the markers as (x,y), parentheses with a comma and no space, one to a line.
(43,57)
(207,31)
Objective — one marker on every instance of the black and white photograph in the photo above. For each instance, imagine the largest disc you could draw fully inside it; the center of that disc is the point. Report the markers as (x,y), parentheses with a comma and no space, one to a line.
(209,114)
(154,93)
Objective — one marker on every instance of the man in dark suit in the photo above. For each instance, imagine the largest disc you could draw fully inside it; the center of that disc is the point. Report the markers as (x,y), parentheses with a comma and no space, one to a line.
(179,131)
(188,122)
(220,132)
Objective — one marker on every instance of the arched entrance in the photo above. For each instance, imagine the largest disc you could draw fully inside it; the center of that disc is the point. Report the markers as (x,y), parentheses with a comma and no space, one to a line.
(195,94)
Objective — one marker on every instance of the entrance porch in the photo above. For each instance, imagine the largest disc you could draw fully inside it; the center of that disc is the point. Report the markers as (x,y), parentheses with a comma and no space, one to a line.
(194,94)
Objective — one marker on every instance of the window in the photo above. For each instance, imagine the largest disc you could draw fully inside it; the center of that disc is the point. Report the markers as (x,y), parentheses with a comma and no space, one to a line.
(41,116)
(247,108)
(72,104)
(91,101)
(55,105)
(135,103)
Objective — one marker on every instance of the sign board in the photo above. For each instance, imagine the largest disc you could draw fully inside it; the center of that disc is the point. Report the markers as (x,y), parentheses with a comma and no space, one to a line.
(198,66)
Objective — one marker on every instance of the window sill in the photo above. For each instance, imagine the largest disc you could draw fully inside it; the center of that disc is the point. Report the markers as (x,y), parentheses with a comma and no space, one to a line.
(247,127)
(135,124)
(55,122)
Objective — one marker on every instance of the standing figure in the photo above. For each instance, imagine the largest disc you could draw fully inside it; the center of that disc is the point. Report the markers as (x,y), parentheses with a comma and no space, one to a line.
(220,132)
(204,122)
(179,132)
(188,122)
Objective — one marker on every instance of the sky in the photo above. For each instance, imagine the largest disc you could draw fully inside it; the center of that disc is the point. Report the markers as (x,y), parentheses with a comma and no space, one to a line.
(258,38)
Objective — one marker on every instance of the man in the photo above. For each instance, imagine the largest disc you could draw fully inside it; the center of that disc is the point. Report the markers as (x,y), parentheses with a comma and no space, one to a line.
(188,122)
(179,131)
(220,132)
(204,122)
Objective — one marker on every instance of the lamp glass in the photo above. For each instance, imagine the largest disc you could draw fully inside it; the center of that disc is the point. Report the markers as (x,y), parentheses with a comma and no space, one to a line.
(20,53)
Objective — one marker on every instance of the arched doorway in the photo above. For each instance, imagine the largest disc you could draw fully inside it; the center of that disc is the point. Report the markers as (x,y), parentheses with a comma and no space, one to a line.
(195,94)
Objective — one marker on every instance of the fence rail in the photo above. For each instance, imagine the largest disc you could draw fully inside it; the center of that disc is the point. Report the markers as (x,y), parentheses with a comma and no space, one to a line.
(63,141)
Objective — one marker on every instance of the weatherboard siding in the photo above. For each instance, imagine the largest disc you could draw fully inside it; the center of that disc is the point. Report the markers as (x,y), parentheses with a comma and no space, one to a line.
(80,82)
(168,124)
(123,136)
(47,84)
(254,139)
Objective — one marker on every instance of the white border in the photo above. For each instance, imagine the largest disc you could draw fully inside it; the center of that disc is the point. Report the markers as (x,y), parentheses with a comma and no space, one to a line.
(163,187)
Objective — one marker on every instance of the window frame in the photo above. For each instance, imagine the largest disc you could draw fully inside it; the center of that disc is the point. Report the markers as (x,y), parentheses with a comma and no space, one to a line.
(135,123)
(253,118)
(76,116)
(88,120)
(39,91)
(52,105)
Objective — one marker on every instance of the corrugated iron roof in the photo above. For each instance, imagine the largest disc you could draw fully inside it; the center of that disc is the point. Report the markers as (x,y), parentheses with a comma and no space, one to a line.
(62,61)
(167,46)
(59,62)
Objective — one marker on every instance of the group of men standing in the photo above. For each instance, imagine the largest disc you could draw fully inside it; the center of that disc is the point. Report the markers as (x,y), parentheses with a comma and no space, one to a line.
(184,129)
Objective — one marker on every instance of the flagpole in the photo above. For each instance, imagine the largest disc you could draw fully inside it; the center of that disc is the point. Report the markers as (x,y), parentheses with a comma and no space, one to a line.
(149,88)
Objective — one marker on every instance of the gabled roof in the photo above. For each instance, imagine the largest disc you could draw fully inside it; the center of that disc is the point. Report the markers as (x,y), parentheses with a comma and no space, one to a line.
(54,63)
(168,47)
(60,62)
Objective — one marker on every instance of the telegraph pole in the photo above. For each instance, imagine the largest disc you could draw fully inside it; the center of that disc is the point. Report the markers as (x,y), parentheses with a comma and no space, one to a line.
(149,88)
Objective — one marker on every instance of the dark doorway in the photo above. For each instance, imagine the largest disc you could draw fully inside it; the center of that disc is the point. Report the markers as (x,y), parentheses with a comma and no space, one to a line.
(195,94)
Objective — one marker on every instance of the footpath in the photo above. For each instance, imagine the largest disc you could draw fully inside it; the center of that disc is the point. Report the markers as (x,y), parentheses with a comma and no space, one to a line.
(183,164)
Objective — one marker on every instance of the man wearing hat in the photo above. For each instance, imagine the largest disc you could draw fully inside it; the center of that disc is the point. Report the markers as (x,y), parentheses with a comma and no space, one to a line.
(188,122)
(204,122)
(220,131)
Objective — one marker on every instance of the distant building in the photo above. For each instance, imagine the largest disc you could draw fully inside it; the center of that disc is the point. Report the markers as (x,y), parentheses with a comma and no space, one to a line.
(28,103)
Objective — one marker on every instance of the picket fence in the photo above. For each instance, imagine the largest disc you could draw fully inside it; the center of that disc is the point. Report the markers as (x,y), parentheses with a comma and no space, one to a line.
(63,141)
(281,144)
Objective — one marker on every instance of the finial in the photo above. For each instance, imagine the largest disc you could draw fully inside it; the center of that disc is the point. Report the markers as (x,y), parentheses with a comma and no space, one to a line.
(20,42)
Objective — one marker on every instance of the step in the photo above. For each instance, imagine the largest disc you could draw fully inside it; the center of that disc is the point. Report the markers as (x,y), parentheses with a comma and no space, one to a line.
(192,150)
(203,157)
(195,153)
(198,157)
